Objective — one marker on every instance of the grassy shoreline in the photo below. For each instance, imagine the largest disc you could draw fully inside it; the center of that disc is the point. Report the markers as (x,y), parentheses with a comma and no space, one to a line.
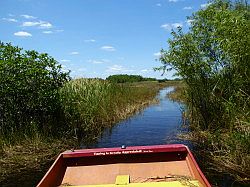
(26,161)
(220,153)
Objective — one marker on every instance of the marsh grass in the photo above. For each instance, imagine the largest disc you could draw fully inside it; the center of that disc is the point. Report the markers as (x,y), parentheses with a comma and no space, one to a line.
(222,156)
(178,94)
(25,163)
(89,105)
(221,152)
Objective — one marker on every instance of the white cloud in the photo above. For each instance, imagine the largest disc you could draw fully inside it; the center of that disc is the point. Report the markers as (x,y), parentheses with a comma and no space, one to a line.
(64,60)
(52,31)
(40,24)
(187,8)
(11,15)
(74,53)
(175,25)
(9,19)
(158,4)
(28,16)
(30,23)
(47,32)
(118,69)
(144,70)
(89,40)
(64,68)
(98,61)
(205,5)
(45,25)
(189,22)
(174,1)
(157,55)
(108,48)
(171,26)
(115,68)
(22,34)
(166,26)
(59,30)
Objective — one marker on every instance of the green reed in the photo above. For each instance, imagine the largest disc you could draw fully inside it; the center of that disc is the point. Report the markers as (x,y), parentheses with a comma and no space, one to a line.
(89,105)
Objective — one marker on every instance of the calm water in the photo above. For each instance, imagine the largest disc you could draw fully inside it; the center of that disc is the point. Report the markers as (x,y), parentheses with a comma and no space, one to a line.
(157,124)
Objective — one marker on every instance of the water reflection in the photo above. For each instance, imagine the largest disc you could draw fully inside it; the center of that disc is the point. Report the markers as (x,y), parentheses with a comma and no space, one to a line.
(157,124)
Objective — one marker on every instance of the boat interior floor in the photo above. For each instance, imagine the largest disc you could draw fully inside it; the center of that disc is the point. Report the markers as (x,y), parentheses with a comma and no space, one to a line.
(138,172)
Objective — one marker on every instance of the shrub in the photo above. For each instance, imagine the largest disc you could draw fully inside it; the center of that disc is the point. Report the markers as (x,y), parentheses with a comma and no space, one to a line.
(29,86)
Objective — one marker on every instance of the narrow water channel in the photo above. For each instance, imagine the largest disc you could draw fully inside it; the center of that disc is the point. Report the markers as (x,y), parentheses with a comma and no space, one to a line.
(157,124)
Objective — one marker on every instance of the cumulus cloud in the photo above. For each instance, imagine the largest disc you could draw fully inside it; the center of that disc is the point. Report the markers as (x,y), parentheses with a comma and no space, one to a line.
(175,25)
(118,69)
(52,31)
(174,1)
(189,22)
(64,60)
(45,25)
(30,23)
(47,32)
(28,16)
(205,5)
(98,61)
(40,24)
(74,53)
(9,19)
(89,40)
(158,4)
(187,8)
(108,48)
(171,26)
(22,34)
(157,55)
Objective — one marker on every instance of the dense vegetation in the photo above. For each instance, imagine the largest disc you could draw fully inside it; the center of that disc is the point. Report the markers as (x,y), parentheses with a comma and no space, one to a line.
(29,97)
(213,60)
(123,78)
(89,105)
(37,98)
(43,112)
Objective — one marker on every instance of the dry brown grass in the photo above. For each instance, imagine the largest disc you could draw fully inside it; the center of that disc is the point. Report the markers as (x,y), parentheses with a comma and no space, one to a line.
(25,163)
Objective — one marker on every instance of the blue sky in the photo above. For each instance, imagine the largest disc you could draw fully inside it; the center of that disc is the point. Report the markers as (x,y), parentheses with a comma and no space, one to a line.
(96,38)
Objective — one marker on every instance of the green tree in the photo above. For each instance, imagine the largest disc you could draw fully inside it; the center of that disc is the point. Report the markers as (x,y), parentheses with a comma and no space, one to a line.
(122,78)
(29,84)
(213,59)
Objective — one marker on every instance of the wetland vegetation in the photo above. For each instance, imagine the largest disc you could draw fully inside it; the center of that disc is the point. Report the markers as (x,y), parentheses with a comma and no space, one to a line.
(44,112)
(213,60)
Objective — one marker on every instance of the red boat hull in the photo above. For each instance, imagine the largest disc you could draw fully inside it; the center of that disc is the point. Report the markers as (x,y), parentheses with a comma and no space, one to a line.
(133,161)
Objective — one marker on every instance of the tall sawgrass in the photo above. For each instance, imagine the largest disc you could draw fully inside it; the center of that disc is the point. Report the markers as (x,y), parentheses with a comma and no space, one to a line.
(89,105)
